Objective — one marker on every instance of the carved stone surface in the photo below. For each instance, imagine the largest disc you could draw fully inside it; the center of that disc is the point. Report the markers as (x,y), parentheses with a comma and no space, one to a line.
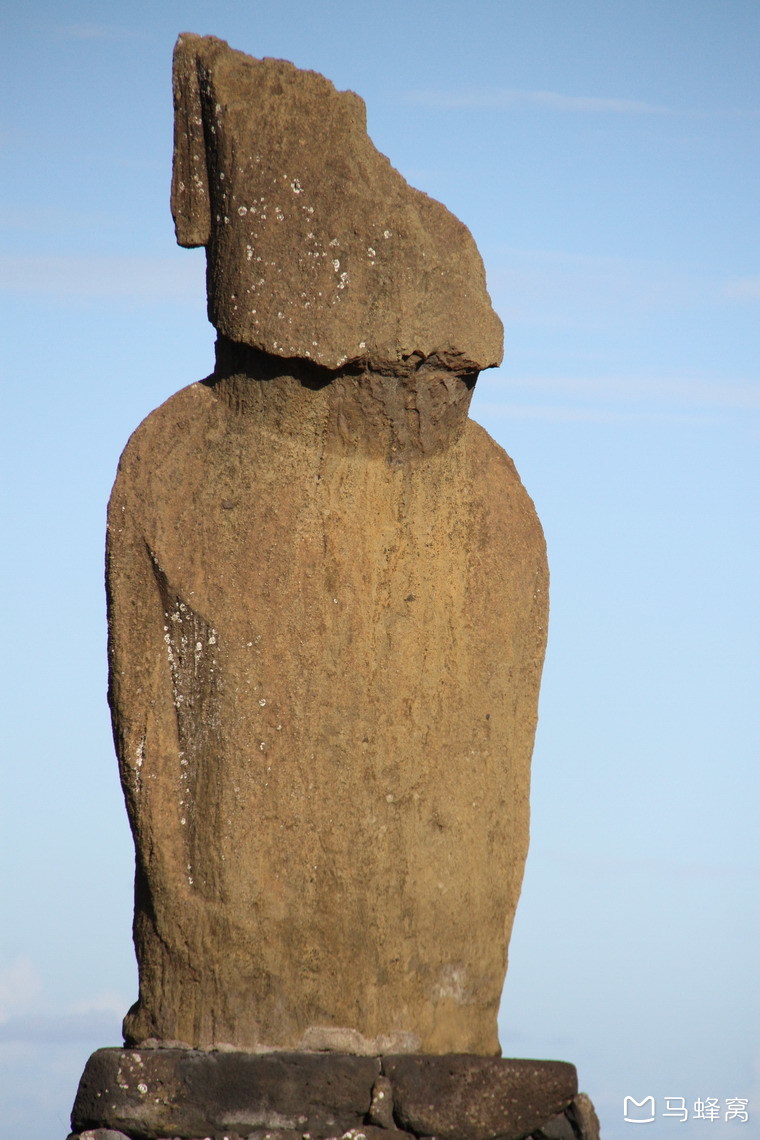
(179,1092)
(317,248)
(325,656)
(327,611)
(152,1093)
(474,1098)
(327,596)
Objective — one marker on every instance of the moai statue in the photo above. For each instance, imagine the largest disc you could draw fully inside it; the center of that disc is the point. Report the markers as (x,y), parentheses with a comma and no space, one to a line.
(327,595)
(327,599)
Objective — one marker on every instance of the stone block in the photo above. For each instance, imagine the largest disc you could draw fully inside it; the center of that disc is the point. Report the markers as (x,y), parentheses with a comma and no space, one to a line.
(477,1098)
(155,1093)
(582,1112)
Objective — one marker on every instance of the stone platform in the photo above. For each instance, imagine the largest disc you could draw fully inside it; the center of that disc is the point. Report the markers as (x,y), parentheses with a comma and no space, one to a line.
(184,1094)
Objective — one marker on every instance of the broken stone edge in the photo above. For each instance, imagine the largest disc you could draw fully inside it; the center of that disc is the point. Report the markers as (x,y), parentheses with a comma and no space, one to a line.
(184,1094)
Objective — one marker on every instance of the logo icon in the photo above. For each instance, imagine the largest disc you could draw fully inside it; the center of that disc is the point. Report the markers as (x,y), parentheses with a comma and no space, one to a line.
(638,1111)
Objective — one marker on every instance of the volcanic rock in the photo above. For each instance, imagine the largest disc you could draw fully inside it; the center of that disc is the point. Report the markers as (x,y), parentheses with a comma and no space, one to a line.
(327,595)
(317,248)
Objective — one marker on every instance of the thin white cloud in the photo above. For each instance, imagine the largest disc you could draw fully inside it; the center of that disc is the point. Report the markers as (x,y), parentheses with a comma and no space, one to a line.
(60,219)
(503,98)
(657,866)
(565,290)
(742,289)
(110,1002)
(61,1027)
(141,279)
(20,986)
(553,413)
(614,399)
(25,1015)
(97,32)
(688,391)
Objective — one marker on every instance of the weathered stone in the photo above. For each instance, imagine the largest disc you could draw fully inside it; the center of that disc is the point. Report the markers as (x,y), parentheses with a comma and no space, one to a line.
(373,1132)
(381,1105)
(583,1113)
(275,1134)
(154,1093)
(558,1128)
(317,248)
(477,1098)
(325,644)
(99,1134)
(327,615)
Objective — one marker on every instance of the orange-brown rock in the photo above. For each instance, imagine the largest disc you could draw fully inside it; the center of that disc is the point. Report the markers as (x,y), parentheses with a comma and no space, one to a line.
(317,248)
(327,619)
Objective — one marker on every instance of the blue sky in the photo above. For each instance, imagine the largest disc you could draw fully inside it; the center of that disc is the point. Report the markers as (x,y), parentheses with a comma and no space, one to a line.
(605,157)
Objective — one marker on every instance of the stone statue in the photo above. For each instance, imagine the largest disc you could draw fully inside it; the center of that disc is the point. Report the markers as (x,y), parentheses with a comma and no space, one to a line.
(327,596)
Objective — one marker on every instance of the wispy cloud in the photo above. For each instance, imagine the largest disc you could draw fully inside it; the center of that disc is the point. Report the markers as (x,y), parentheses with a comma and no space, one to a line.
(20,986)
(742,289)
(503,98)
(686,391)
(25,1015)
(656,866)
(614,399)
(141,279)
(554,413)
(63,1026)
(97,32)
(564,290)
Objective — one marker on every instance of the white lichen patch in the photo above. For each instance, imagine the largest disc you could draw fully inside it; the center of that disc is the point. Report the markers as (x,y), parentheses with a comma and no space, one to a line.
(129,1071)
(452,984)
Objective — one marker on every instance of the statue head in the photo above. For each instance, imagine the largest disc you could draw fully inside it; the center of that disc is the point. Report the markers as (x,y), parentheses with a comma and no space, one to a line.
(317,248)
